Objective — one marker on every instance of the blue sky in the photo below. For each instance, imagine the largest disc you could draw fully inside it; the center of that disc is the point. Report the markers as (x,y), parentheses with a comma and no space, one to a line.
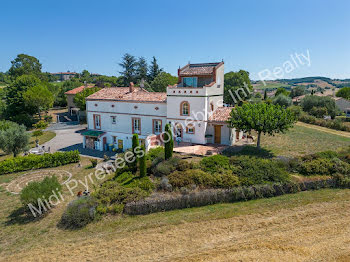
(251,35)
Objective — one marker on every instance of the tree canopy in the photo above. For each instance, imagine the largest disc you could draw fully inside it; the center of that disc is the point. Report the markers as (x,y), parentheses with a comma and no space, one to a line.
(238,87)
(282,91)
(344,93)
(128,66)
(160,83)
(25,65)
(297,91)
(38,97)
(154,69)
(79,98)
(309,102)
(282,100)
(263,118)
(14,139)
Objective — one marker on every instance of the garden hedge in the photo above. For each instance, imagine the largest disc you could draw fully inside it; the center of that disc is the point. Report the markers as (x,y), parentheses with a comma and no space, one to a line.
(214,196)
(23,163)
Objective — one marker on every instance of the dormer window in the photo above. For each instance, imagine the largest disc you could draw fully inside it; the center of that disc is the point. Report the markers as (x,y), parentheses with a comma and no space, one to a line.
(189,81)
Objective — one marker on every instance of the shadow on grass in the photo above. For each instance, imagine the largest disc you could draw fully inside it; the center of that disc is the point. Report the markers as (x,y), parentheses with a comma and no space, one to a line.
(21,216)
(248,150)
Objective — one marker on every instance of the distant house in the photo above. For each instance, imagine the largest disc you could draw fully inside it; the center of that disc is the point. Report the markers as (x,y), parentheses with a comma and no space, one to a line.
(72,108)
(342,103)
(63,76)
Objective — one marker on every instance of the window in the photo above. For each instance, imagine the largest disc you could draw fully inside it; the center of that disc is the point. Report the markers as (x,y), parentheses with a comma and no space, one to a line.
(190,129)
(136,125)
(97,122)
(185,109)
(157,126)
(190,81)
(114,139)
(113,119)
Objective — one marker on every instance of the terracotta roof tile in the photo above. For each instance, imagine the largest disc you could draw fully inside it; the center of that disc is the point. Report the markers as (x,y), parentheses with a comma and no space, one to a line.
(198,69)
(124,94)
(221,114)
(77,90)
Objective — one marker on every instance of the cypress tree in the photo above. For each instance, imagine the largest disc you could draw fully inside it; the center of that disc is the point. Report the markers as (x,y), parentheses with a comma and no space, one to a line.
(135,143)
(142,163)
(265,94)
(169,144)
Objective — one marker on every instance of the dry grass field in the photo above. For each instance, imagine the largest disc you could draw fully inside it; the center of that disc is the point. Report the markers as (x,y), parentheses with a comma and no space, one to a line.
(308,226)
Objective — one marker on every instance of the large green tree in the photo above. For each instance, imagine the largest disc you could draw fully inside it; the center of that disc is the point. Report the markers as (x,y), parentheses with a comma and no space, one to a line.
(128,66)
(14,139)
(141,69)
(25,65)
(309,102)
(263,118)
(238,87)
(17,109)
(79,98)
(297,91)
(282,100)
(162,80)
(154,69)
(282,91)
(39,97)
(344,92)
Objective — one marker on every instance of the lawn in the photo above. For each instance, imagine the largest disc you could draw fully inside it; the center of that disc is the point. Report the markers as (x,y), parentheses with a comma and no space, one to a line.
(302,140)
(47,136)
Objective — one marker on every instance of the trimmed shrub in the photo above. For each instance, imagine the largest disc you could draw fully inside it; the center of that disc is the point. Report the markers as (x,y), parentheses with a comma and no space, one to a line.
(203,179)
(324,166)
(40,190)
(22,163)
(154,153)
(213,163)
(252,170)
(143,183)
(166,167)
(93,162)
(79,213)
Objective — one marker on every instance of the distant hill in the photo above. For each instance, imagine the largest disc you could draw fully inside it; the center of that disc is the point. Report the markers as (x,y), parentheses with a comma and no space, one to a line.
(314,82)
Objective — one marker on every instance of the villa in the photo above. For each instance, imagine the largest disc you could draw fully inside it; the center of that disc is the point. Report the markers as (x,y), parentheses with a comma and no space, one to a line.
(194,108)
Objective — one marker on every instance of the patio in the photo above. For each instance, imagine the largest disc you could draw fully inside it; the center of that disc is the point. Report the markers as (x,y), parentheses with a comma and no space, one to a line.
(208,149)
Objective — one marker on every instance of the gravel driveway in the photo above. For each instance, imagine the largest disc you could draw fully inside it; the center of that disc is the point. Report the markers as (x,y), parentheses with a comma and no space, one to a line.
(65,137)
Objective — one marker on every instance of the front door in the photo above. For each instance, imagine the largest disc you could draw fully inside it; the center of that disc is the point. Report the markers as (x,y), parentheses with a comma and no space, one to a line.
(104,143)
(217,134)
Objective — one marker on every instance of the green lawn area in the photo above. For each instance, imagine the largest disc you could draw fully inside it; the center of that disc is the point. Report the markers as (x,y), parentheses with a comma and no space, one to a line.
(47,136)
(303,140)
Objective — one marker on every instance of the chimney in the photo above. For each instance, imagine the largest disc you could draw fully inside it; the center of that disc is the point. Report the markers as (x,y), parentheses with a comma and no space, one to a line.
(142,83)
(85,84)
(131,87)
